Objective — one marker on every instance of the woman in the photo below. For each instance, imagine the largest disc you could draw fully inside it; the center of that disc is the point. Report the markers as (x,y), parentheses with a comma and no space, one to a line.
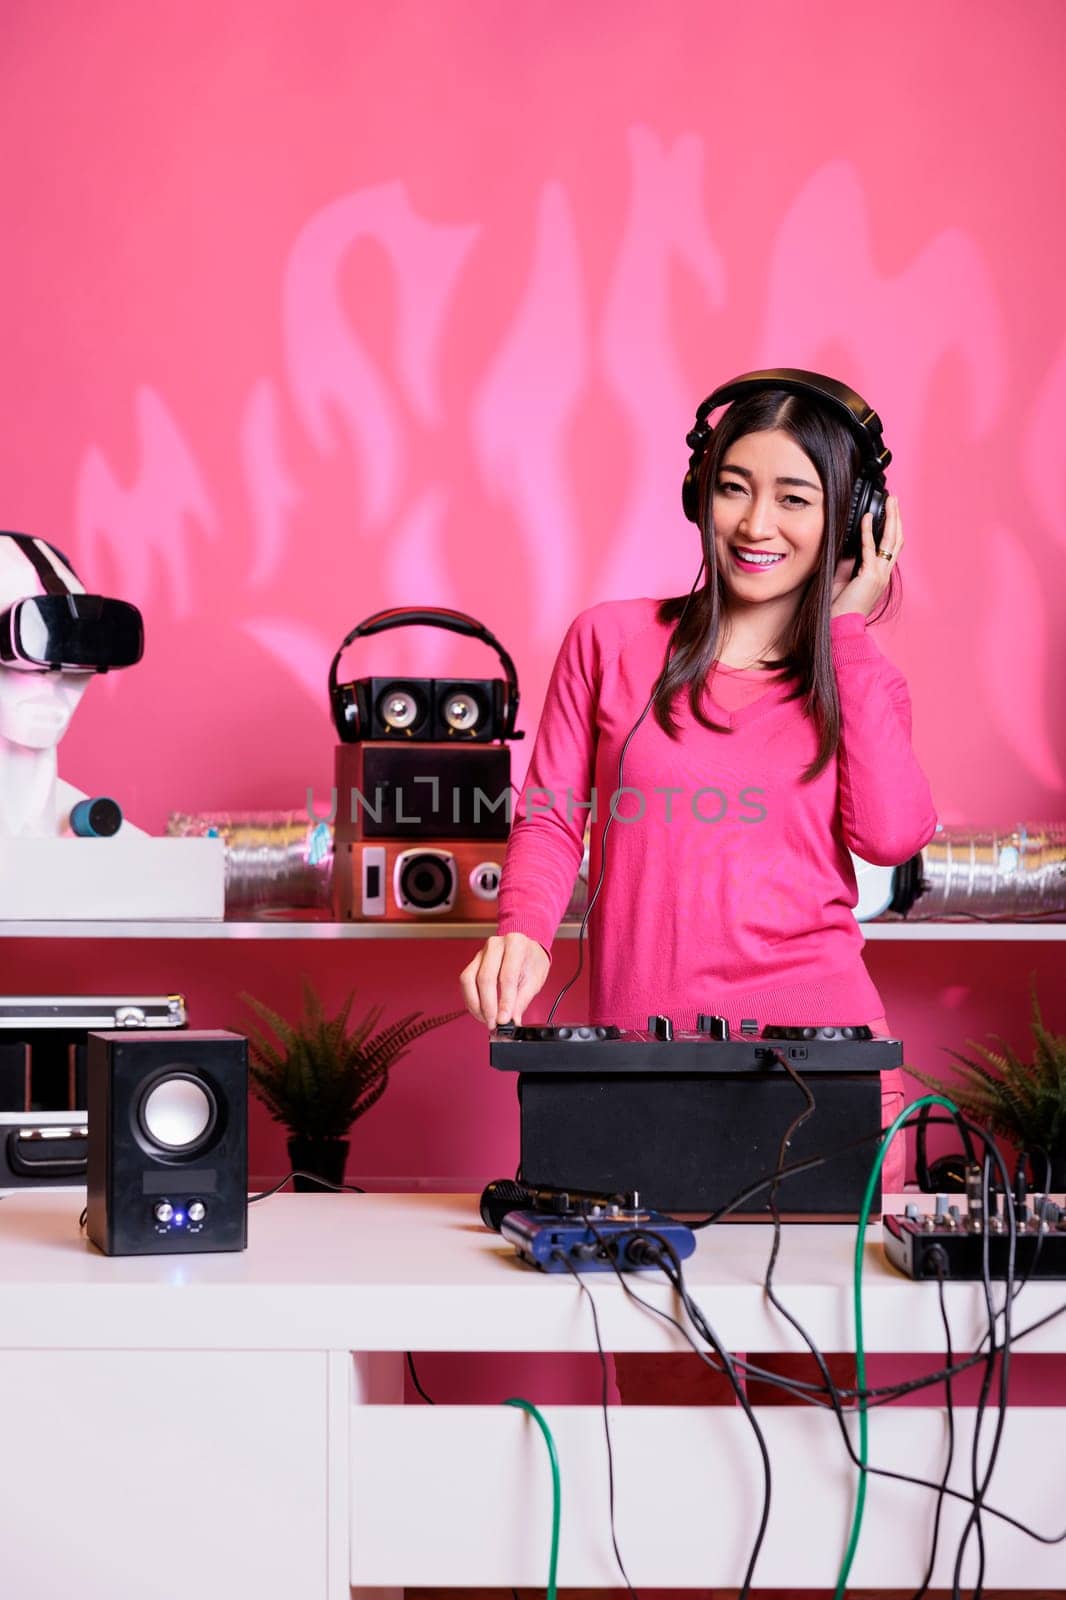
(779,742)
(730,749)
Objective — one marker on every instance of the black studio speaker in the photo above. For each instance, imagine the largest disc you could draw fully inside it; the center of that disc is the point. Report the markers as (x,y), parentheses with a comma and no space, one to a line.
(168,1142)
(422,791)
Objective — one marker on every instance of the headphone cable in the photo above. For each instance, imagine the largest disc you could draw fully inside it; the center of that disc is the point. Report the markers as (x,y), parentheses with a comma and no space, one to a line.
(594,896)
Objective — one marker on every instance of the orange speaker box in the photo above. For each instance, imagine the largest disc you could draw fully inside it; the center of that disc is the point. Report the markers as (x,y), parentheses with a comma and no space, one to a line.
(400,880)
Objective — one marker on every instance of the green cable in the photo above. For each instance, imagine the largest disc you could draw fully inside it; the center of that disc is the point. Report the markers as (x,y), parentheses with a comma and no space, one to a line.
(527,1405)
(860,1352)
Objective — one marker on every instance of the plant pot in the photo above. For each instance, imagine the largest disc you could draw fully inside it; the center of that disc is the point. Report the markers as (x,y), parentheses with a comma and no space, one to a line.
(323,1158)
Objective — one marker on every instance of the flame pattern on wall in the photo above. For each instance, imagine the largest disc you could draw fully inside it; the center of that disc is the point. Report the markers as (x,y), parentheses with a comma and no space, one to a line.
(454,361)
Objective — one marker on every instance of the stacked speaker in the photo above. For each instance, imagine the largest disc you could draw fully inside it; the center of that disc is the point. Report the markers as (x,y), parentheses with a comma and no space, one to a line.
(423,785)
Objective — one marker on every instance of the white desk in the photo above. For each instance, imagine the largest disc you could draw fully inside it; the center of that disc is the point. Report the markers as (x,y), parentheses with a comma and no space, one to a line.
(232,1426)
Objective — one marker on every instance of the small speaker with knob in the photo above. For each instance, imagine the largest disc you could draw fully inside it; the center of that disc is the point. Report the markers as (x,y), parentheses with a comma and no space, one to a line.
(168,1142)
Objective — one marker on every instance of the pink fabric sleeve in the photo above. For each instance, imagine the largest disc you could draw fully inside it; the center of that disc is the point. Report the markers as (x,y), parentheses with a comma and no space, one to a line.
(885,803)
(547,839)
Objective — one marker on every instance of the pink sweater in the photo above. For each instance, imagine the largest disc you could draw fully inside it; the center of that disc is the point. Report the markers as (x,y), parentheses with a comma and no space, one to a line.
(729,887)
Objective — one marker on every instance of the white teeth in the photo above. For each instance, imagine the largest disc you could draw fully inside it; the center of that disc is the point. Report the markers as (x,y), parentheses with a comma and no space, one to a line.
(761,560)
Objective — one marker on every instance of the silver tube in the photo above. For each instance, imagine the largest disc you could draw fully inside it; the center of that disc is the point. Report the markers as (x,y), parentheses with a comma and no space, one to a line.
(275,860)
(1013,873)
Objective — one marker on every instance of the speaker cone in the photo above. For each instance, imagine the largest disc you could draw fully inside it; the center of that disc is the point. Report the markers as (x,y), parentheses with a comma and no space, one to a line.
(426,880)
(461,711)
(177,1113)
(399,708)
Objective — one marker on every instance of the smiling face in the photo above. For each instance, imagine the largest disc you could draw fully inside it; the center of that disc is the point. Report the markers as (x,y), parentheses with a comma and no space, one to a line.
(769,518)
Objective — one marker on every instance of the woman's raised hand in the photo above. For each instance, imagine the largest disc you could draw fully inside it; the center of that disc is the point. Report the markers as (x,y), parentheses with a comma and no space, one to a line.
(862,592)
(505,975)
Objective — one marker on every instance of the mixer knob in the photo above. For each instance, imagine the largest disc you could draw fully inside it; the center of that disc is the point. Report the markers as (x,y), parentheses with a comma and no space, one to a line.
(717,1027)
(661,1028)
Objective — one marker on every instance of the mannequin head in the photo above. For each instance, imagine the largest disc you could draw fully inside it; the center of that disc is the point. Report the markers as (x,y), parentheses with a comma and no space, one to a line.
(35,707)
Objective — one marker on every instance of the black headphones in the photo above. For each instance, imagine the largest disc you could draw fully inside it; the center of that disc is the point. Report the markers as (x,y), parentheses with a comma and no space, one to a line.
(344,701)
(849,408)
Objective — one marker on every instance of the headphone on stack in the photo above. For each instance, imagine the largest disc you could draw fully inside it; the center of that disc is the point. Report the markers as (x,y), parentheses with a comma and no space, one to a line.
(425,709)
(844,404)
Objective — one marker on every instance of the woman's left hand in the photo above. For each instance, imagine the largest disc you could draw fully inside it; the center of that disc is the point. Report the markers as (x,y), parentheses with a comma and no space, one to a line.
(862,592)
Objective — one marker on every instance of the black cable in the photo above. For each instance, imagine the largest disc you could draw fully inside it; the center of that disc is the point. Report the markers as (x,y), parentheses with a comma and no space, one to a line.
(949,1403)
(921,1161)
(809,1164)
(887,1393)
(670,1265)
(834,1394)
(805,1089)
(796,1123)
(973,1522)
(339,1188)
(981,1487)
(876,1396)
(416,1380)
(714,1366)
(587,1292)
(594,896)
(663,1255)
(989,1141)
(831,1389)
(1039,1211)
(803,1391)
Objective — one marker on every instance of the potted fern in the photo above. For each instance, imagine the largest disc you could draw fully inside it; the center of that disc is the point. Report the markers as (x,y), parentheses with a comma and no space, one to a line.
(1024,1101)
(321,1073)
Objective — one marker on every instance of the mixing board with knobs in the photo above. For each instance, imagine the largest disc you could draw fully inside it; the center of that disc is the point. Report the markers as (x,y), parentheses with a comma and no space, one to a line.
(952,1240)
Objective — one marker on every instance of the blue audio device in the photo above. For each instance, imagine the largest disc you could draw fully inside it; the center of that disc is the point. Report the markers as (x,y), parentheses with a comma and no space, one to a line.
(600,1239)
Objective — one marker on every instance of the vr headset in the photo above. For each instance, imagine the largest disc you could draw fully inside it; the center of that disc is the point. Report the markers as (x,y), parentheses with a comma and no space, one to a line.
(64,630)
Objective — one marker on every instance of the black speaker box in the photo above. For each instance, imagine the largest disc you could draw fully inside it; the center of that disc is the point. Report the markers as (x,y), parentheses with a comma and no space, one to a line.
(422,791)
(168,1142)
(691,1142)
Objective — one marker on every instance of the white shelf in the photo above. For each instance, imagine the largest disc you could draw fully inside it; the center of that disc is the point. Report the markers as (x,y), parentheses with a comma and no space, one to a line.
(909,932)
(967,932)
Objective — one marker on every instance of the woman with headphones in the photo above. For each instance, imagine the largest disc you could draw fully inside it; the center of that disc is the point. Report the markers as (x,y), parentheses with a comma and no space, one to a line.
(730,748)
(778,741)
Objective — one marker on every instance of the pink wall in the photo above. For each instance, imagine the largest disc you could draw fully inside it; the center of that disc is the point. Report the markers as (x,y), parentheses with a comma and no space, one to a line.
(309,310)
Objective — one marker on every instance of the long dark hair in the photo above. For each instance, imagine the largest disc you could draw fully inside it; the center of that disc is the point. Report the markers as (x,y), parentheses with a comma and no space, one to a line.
(804,652)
